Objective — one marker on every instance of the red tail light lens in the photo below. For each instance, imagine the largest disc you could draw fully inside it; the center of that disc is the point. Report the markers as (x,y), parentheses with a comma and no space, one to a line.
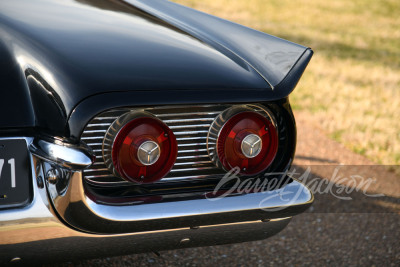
(246,139)
(143,150)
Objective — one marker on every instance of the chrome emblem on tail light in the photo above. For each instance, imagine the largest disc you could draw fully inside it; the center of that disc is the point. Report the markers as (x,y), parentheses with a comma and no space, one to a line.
(148,153)
(251,146)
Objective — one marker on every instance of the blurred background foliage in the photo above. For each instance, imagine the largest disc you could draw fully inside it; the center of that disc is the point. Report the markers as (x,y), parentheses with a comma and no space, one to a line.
(351,88)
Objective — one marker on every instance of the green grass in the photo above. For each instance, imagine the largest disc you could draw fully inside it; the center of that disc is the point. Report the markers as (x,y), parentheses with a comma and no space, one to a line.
(351,88)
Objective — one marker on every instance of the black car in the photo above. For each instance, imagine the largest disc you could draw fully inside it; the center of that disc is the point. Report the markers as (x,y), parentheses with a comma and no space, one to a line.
(133,126)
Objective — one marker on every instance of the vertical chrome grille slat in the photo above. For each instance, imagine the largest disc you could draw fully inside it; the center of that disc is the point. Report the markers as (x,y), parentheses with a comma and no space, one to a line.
(190,125)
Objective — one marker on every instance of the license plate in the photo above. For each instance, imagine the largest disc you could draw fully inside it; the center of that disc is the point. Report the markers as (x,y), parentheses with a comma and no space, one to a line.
(15,174)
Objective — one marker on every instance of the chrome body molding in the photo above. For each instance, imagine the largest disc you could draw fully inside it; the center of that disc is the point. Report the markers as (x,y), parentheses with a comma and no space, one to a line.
(67,224)
(65,155)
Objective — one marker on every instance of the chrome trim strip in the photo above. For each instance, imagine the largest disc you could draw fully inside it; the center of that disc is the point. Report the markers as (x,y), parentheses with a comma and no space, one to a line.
(193,157)
(192,169)
(192,144)
(91,137)
(98,124)
(179,106)
(188,120)
(189,126)
(190,132)
(103,175)
(95,131)
(192,138)
(191,151)
(187,177)
(98,163)
(96,144)
(192,163)
(106,118)
(187,114)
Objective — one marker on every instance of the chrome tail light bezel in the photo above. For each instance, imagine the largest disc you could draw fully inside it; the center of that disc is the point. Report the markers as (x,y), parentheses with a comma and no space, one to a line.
(125,128)
(221,121)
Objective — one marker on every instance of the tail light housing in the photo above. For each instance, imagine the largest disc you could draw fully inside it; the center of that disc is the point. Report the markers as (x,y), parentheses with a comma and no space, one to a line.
(243,137)
(139,148)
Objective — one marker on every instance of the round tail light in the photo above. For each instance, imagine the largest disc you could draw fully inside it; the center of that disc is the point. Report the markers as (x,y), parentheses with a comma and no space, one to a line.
(243,137)
(139,148)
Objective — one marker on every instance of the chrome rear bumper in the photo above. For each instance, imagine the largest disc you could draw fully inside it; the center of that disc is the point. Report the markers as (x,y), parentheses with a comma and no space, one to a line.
(66,224)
